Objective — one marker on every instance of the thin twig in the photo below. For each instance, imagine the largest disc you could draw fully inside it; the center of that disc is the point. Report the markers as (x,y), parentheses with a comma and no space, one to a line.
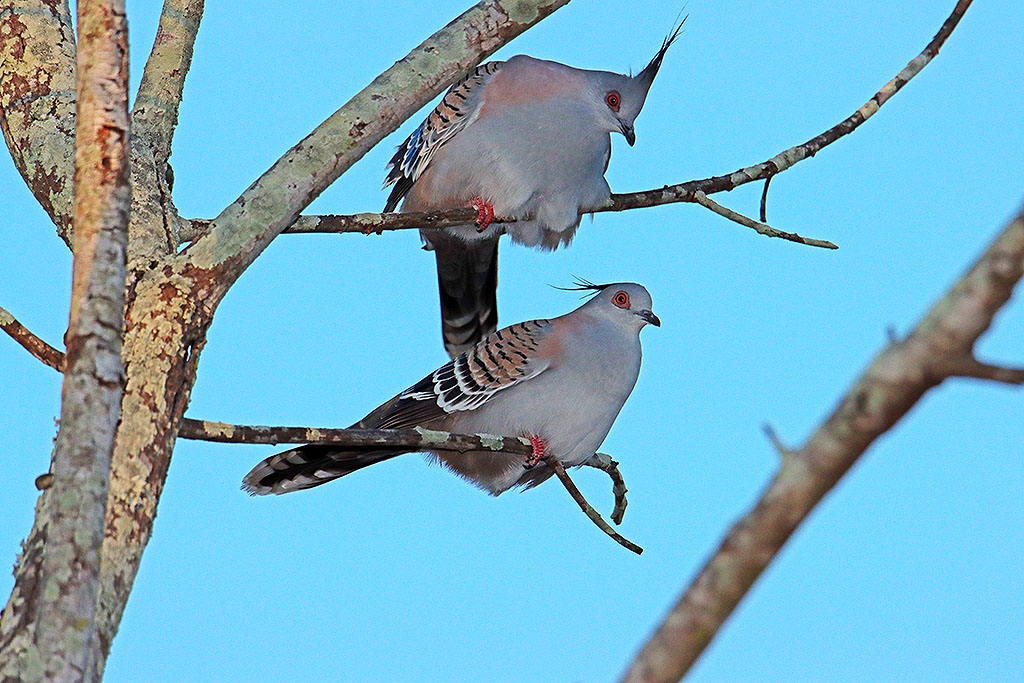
(764,199)
(891,385)
(773,436)
(33,344)
(972,367)
(761,228)
(605,463)
(594,515)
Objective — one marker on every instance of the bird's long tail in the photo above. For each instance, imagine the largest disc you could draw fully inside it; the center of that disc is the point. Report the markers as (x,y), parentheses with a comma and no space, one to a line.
(308,466)
(467,278)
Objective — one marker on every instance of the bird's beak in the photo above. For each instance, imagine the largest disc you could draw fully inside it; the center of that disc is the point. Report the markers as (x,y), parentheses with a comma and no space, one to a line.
(627,131)
(649,317)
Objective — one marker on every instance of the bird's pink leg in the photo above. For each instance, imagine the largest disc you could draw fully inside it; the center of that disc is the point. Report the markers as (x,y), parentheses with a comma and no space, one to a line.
(484,212)
(540,449)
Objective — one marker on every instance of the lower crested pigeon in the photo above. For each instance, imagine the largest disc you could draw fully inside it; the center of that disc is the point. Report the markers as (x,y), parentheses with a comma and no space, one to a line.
(561,382)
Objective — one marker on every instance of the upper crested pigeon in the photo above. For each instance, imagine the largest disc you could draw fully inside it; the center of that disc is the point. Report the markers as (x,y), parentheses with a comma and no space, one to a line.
(561,382)
(524,138)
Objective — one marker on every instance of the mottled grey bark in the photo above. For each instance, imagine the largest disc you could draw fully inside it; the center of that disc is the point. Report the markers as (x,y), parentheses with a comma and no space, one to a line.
(154,225)
(47,632)
(37,101)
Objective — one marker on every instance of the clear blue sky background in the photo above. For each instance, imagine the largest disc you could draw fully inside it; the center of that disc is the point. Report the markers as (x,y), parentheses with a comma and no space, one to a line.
(910,570)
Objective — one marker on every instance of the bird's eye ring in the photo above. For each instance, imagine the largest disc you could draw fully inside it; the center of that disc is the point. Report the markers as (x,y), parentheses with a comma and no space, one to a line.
(613,100)
(621,299)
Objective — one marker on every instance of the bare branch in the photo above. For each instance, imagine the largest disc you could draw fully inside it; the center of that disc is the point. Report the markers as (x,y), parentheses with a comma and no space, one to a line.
(37,101)
(684,192)
(761,228)
(971,367)
(48,629)
(413,439)
(417,439)
(155,113)
(553,462)
(604,462)
(939,347)
(33,344)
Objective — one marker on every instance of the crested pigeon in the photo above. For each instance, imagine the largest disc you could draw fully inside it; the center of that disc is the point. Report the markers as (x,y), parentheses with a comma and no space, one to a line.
(561,382)
(523,138)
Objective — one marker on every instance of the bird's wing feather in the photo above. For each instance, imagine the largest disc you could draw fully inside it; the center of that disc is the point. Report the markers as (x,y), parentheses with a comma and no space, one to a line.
(501,360)
(458,109)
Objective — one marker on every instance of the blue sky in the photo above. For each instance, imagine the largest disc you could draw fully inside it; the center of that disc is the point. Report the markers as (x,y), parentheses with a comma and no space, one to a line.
(911,568)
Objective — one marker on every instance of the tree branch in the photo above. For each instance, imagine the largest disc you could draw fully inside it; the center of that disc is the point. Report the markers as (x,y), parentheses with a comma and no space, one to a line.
(940,347)
(604,462)
(155,113)
(974,368)
(33,344)
(570,486)
(48,628)
(761,228)
(683,192)
(155,222)
(37,101)
(413,439)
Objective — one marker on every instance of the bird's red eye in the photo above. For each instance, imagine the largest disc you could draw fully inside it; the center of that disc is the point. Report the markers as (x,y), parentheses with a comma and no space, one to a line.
(621,299)
(613,100)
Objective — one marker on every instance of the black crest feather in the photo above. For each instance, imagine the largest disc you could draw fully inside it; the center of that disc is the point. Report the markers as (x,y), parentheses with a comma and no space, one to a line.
(583,285)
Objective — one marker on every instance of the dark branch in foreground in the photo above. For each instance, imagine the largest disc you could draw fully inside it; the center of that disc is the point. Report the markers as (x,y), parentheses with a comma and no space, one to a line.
(33,344)
(368,223)
(939,348)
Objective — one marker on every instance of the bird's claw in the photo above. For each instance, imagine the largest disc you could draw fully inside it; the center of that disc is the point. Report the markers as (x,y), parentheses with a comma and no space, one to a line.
(540,450)
(484,213)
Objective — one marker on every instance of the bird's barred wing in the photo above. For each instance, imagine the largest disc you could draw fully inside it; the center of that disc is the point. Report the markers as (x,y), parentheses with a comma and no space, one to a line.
(459,108)
(501,360)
